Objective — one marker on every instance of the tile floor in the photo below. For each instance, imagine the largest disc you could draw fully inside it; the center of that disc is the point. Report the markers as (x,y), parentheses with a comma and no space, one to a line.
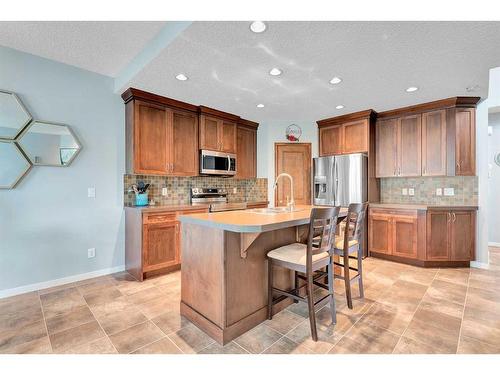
(405,310)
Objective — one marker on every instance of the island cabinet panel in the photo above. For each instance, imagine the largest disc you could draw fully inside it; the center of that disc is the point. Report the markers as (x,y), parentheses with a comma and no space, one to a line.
(465,142)
(184,143)
(209,133)
(355,137)
(386,148)
(161,245)
(409,148)
(434,143)
(438,236)
(246,165)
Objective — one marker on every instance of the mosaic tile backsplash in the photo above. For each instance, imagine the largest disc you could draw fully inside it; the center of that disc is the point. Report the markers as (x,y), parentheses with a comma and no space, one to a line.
(247,190)
(465,189)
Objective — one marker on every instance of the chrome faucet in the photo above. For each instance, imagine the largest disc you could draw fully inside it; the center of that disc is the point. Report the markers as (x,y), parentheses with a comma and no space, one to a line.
(290,204)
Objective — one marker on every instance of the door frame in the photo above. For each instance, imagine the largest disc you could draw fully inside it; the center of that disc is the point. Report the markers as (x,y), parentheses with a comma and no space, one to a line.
(276,145)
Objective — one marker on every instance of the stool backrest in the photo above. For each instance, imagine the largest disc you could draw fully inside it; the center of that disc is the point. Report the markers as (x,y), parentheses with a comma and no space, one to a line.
(354,224)
(322,228)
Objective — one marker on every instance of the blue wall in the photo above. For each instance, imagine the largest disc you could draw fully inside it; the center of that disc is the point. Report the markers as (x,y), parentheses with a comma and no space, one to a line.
(47,222)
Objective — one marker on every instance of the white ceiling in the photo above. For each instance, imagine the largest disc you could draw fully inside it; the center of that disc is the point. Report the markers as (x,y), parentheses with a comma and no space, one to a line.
(228,65)
(101,47)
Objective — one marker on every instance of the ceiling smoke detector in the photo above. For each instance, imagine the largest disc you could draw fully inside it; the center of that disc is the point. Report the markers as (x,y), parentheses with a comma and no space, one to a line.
(258,26)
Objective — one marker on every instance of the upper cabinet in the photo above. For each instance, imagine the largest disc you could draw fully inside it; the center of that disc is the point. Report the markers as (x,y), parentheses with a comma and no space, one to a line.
(246,134)
(217,130)
(431,139)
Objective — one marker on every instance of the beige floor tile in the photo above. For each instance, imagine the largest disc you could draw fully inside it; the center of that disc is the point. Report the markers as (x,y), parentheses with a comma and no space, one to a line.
(419,276)
(158,306)
(482,299)
(258,339)
(230,348)
(19,303)
(481,332)
(162,346)
(191,339)
(468,345)
(284,321)
(38,346)
(287,346)
(454,275)
(62,322)
(102,296)
(145,295)
(404,295)
(113,306)
(127,287)
(26,334)
(100,346)
(118,321)
(327,337)
(61,302)
(299,308)
(19,319)
(96,284)
(447,291)
(488,318)
(170,321)
(388,317)
(410,346)
(73,337)
(442,305)
(135,337)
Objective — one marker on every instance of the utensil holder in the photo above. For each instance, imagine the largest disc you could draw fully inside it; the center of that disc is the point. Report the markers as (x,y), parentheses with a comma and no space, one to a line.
(141,199)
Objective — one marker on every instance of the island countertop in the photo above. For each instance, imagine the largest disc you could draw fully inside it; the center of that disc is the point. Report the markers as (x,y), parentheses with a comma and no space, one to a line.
(249,221)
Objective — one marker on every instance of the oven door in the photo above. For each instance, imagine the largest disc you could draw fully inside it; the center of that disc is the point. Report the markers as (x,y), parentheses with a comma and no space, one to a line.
(217,163)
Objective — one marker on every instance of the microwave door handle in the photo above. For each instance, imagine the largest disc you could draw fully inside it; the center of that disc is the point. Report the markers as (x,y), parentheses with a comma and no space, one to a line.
(228,164)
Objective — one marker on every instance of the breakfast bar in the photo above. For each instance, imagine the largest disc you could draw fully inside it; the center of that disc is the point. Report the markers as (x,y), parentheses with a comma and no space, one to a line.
(224,268)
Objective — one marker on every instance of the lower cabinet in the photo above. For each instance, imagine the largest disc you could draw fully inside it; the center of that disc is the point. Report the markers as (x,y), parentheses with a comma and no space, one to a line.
(153,241)
(429,237)
(257,205)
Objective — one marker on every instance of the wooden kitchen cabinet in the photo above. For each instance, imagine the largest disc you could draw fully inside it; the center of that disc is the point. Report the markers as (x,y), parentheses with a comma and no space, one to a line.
(331,140)
(465,142)
(160,245)
(386,148)
(209,133)
(218,130)
(355,137)
(184,143)
(380,233)
(409,147)
(246,149)
(434,143)
(404,235)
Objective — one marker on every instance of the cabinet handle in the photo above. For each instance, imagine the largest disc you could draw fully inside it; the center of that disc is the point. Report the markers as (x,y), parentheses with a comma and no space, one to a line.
(458,166)
(399,171)
(425,170)
(395,170)
(454,217)
(449,217)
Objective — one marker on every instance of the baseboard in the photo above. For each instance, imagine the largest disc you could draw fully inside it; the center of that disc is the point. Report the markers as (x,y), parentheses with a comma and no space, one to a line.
(476,264)
(494,244)
(65,280)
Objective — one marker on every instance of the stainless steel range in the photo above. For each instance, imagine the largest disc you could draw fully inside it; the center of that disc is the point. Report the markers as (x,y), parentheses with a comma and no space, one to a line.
(216,198)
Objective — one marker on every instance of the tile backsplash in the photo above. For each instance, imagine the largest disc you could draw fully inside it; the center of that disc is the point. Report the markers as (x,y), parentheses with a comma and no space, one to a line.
(465,190)
(250,190)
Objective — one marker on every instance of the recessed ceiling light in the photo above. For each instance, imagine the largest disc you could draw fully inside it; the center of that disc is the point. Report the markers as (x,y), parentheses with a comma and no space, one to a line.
(258,26)
(275,72)
(335,80)
(260,105)
(181,77)
(340,106)
(412,89)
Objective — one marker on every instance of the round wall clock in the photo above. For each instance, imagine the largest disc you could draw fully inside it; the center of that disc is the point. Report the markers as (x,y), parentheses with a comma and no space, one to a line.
(293,133)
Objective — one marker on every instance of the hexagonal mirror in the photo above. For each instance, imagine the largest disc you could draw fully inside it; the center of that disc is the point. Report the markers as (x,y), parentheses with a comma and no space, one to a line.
(13,115)
(13,165)
(49,144)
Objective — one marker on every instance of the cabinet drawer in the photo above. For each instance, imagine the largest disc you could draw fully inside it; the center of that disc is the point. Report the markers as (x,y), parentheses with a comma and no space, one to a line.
(159,217)
(394,212)
(197,211)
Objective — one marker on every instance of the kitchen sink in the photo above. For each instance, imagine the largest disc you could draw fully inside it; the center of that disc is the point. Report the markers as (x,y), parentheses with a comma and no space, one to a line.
(274,210)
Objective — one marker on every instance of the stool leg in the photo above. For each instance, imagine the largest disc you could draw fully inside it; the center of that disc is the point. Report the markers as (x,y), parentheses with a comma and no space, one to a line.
(347,279)
(269,289)
(360,272)
(296,285)
(310,303)
(333,309)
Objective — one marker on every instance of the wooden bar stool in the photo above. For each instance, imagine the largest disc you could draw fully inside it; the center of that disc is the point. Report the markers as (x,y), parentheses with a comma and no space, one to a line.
(347,244)
(306,259)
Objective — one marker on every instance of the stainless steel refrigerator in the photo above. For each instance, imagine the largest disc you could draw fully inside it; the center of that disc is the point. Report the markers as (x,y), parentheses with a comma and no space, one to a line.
(341,180)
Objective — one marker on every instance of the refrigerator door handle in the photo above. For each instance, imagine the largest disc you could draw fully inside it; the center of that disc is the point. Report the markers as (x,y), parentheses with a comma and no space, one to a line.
(334,190)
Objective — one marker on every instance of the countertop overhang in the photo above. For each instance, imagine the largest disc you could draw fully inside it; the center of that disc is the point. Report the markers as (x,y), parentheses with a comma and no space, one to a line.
(425,207)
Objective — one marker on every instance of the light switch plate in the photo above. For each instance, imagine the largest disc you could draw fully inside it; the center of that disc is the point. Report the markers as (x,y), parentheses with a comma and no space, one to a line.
(411,191)
(404,191)
(235,190)
(91,192)
(449,192)
(91,252)
(164,191)
(439,191)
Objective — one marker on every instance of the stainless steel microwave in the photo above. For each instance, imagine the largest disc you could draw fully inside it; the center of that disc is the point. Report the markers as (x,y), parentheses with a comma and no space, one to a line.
(217,163)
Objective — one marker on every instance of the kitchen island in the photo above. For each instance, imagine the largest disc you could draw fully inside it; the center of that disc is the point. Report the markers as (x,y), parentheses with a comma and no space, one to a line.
(224,267)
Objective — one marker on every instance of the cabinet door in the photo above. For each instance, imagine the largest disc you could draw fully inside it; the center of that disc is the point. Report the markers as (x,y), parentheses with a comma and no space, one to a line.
(465,141)
(246,152)
(150,139)
(209,133)
(462,235)
(160,245)
(227,131)
(438,235)
(331,140)
(405,236)
(386,148)
(380,233)
(355,137)
(434,143)
(184,143)
(409,146)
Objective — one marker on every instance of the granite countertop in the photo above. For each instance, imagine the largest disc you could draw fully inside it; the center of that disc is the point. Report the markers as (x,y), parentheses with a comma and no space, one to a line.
(419,206)
(251,221)
(179,206)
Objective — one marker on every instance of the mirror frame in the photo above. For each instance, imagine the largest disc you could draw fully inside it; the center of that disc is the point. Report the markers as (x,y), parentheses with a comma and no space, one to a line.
(21,105)
(29,157)
(21,176)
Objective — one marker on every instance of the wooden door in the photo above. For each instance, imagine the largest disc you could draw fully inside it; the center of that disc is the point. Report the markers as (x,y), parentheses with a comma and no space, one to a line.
(246,149)
(160,245)
(386,148)
(462,235)
(409,146)
(438,235)
(209,133)
(355,137)
(434,143)
(150,139)
(227,134)
(465,142)
(294,159)
(404,238)
(184,143)
(380,233)
(331,140)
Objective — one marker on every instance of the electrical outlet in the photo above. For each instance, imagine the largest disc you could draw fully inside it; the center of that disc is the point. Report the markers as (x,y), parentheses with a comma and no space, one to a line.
(404,191)
(439,191)
(449,192)
(235,190)
(91,253)
(91,192)
(411,191)
(164,191)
